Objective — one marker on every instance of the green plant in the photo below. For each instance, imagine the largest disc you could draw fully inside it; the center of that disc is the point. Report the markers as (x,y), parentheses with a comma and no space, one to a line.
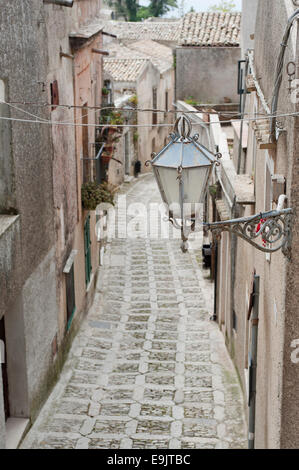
(93,194)
(213,190)
(109,116)
(160,7)
(134,100)
(130,10)
(126,8)
(135,137)
(190,100)
(105,91)
(116,118)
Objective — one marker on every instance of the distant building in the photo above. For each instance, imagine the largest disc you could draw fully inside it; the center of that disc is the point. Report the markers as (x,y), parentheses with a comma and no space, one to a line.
(144,70)
(207,54)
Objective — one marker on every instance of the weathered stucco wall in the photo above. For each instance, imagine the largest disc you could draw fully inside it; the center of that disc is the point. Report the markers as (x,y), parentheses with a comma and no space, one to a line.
(152,139)
(249,10)
(277,411)
(277,407)
(79,82)
(208,74)
(41,186)
(24,247)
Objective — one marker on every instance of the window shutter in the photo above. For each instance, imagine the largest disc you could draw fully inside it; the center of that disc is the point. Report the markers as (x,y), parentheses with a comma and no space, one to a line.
(54,94)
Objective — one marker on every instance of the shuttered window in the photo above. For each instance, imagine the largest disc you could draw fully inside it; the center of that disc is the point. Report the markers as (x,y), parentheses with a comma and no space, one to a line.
(54,94)
(70,296)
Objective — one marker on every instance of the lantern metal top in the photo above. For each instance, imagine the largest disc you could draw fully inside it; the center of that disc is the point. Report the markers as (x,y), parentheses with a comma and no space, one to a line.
(184,151)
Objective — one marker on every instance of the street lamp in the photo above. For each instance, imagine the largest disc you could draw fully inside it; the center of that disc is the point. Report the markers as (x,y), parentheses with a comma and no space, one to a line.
(182,170)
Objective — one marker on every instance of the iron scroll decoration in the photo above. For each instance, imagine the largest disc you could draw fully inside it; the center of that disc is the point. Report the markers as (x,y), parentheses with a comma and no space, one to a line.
(272,229)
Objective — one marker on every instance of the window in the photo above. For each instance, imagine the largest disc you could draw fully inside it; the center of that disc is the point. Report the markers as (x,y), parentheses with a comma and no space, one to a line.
(87,247)
(99,172)
(155,115)
(234,321)
(70,296)
(70,287)
(107,93)
(54,94)
(166,101)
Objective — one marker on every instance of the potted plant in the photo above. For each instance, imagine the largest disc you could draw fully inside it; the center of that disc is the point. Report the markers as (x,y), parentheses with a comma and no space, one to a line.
(105,91)
(93,194)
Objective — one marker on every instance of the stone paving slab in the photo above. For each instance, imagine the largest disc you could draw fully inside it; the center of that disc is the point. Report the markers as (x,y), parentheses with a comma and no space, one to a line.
(148,369)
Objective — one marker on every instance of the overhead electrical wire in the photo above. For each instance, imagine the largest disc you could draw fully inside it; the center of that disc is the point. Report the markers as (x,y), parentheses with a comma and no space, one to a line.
(148,110)
(39,120)
(98,108)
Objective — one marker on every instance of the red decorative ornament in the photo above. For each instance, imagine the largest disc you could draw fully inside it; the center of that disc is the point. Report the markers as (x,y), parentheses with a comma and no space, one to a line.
(258,228)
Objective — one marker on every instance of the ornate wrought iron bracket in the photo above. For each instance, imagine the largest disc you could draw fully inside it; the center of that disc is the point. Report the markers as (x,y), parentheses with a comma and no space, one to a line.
(273,229)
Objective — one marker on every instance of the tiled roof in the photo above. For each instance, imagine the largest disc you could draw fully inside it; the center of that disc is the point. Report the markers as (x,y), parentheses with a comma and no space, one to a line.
(157,31)
(89,30)
(160,55)
(211,29)
(124,70)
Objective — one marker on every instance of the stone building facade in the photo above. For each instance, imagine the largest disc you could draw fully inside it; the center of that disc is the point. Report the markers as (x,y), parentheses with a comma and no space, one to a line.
(48,248)
(268,171)
(142,70)
(207,52)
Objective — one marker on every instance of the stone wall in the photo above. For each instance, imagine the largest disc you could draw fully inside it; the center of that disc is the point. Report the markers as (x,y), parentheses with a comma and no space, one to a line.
(42,185)
(277,411)
(208,74)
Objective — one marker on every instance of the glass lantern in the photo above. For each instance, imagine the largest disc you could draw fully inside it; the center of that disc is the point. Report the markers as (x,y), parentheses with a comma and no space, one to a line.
(182,170)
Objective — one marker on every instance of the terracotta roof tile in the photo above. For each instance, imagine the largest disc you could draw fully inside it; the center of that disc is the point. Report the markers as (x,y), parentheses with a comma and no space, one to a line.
(157,31)
(211,29)
(160,55)
(124,70)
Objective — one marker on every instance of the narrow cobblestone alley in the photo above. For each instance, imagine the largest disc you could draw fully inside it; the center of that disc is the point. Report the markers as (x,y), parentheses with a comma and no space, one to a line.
(148,368)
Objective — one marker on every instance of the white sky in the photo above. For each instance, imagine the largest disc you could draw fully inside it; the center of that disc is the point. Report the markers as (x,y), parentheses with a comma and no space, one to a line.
(198,5)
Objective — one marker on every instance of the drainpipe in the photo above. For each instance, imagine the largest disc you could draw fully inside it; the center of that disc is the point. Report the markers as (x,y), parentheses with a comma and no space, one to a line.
(253,363)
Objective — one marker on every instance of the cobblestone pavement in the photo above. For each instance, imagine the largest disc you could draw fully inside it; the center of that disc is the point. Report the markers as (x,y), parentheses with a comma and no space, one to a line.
(148,369)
